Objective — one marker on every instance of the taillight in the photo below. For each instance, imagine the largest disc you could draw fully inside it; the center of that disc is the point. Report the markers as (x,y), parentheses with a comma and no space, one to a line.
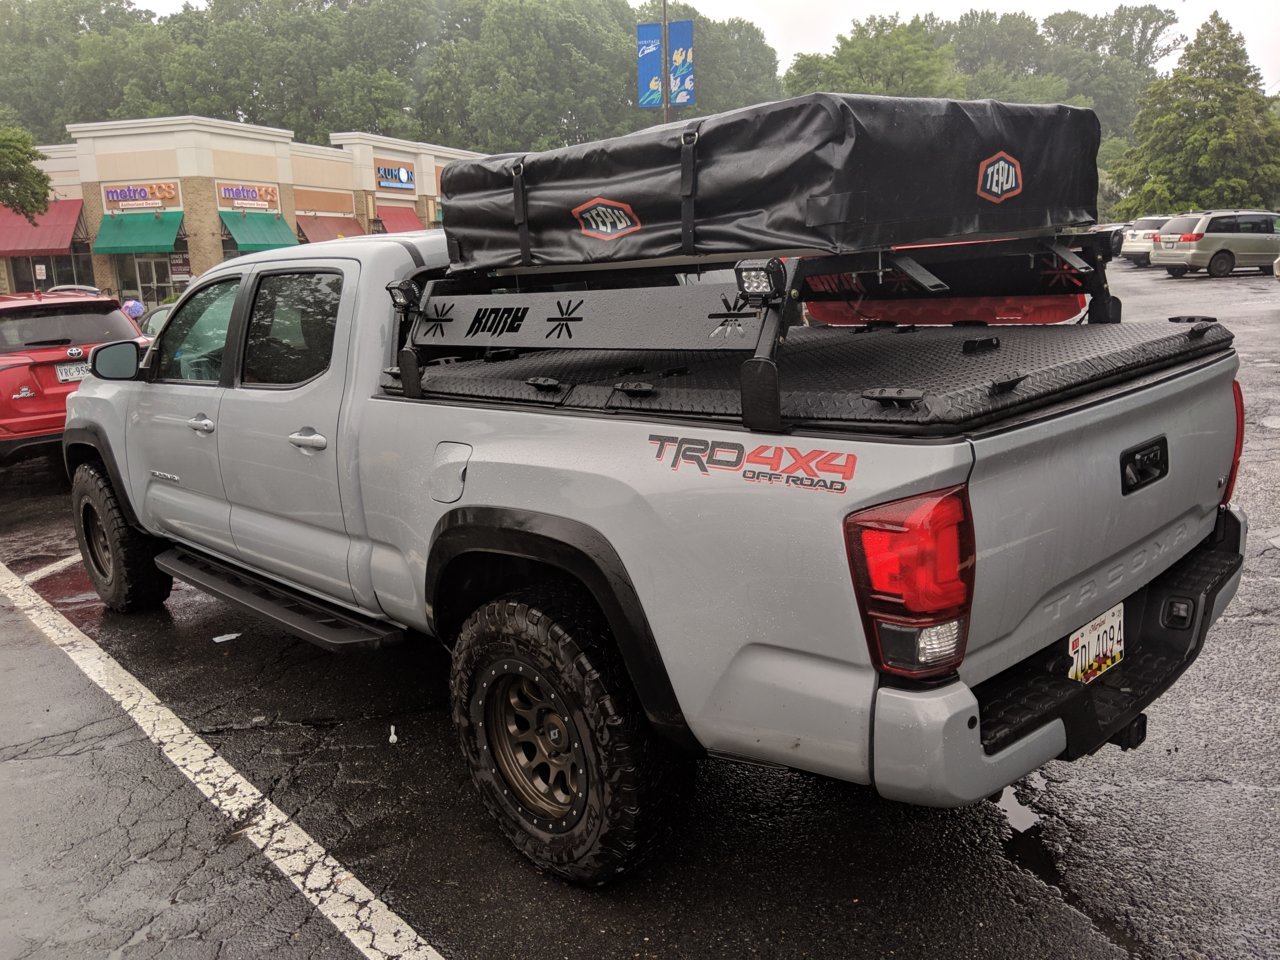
(1151,236)
(912,562)
(1191,237)
(1235,457)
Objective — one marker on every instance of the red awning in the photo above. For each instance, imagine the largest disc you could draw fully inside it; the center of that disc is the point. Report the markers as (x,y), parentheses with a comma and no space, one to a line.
(51,236)
(398,219)
(316,228)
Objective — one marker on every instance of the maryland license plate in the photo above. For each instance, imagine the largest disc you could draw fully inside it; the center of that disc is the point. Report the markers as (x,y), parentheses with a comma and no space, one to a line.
(1098,646)
(68,372)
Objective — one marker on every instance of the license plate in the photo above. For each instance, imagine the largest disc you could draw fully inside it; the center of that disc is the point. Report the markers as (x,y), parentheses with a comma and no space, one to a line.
(67,372)
(1169,245)
(1098,646)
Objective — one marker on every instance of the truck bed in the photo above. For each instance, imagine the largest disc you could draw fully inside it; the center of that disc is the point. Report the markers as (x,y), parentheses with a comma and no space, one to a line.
(901,380)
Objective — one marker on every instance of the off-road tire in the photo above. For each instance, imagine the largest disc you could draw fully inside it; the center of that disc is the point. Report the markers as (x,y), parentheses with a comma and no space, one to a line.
(120,559)
(633,782)
(1176,272)
(1221,264)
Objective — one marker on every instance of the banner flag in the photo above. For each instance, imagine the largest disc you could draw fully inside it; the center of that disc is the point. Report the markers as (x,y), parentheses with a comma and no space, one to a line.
(649,64)
(680,72)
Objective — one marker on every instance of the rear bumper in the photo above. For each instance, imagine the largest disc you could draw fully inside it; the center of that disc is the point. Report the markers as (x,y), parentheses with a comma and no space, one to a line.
(954,745)
(13,449)
(1180,258)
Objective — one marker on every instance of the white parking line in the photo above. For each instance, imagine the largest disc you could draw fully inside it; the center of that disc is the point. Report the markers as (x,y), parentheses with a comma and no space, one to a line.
(56,567)
(371,926)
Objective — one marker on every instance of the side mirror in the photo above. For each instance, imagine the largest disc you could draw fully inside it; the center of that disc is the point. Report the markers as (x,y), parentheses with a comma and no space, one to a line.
(115,361)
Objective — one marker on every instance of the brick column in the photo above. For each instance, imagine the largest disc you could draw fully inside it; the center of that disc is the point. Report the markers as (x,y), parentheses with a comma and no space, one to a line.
(201,223)
(104,271)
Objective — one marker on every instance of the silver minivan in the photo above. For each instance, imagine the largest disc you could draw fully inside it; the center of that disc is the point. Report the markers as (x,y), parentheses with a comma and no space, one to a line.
(1219,241)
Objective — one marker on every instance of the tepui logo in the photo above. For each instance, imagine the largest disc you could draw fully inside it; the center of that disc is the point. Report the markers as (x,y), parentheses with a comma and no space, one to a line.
(606,219)
(999,178)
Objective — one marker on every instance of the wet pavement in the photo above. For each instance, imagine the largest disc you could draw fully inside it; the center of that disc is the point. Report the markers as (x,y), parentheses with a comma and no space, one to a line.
(106,850)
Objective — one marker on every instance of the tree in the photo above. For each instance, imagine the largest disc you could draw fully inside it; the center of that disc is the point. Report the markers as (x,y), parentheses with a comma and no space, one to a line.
(24,187)
(1205,136)
(880,55)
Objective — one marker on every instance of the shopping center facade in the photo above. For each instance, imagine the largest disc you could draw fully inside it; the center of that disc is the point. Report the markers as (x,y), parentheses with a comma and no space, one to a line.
(139,207)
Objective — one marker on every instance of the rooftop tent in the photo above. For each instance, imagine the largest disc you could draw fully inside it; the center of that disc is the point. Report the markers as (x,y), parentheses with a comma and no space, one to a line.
(50,236)
(138,232)
(258,231)
(317,228)
(398,219)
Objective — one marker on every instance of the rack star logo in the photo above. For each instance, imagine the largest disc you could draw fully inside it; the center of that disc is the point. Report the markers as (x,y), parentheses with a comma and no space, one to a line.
(999,178)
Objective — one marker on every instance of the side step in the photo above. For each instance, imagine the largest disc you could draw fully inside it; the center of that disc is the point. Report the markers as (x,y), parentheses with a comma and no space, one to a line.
(313,620)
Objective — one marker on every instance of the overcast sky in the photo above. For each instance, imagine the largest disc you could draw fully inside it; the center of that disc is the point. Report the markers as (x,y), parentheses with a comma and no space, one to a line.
(810,26)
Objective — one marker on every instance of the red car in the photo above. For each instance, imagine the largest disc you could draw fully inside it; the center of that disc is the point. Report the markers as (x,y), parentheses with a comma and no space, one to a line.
(44,354)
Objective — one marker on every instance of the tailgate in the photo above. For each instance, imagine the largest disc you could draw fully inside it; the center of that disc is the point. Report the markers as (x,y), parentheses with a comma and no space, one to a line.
(1058,541)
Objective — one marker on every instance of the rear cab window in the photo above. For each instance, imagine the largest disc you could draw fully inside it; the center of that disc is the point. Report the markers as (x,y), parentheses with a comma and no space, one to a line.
(62,325)
(291,328)
(1180,225)
(1149,223)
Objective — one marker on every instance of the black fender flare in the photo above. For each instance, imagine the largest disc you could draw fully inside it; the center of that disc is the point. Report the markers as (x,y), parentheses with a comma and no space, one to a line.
(585,554)
(90,436)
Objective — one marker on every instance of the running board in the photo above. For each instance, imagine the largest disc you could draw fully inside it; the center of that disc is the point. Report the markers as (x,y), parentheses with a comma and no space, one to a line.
(313,620)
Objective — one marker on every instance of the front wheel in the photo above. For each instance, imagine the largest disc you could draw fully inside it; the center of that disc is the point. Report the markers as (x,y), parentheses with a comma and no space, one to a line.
(1176,272)
(1222,263)
(120,560)
(555,737)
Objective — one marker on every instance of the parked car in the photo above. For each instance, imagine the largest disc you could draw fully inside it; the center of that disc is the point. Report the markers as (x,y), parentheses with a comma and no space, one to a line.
(1136,247)
(151,321)
(45,340)
(1218,241)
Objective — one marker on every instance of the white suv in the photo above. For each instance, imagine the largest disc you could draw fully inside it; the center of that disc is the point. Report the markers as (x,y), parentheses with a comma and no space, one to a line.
(1137,240)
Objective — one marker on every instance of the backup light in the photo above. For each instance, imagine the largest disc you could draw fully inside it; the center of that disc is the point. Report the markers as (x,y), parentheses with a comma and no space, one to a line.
(912,562)
(761,281)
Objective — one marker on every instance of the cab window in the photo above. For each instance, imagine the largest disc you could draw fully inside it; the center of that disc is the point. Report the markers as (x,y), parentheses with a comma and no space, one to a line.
(1222,225)
(1255,224)
(190,349)
(291,326)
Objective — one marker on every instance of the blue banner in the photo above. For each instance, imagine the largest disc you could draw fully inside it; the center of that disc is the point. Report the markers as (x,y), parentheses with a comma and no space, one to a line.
(649,64)
(680,73)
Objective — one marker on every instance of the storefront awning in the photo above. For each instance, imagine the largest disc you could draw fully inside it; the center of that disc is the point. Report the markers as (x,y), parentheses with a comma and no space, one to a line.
(317,228)
(50,237)
(258,231)
(138,232)
(398,219)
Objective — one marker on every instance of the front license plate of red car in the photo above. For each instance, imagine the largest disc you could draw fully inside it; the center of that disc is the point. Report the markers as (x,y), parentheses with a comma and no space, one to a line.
(1097,646)
(68,372)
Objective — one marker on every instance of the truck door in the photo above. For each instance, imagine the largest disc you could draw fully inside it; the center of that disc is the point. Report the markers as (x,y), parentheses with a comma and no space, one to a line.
(278,443)
(171,439)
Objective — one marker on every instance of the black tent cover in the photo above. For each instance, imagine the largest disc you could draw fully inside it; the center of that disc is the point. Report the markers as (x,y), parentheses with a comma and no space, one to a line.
(825,172)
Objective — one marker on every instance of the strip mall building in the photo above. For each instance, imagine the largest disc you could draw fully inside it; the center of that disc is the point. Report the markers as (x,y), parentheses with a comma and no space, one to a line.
(139,207)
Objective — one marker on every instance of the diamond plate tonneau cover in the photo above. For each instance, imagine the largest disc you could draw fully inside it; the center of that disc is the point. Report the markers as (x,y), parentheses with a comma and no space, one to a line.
(824,172)
(825,372)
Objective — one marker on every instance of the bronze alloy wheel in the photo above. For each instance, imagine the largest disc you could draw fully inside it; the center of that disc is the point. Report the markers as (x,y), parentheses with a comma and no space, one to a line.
(529,733)
(95,536)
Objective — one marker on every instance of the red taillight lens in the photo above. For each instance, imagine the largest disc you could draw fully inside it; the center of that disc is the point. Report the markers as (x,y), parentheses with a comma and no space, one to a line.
(1235,459)
(1191,237)
(1151,236)
(912,562)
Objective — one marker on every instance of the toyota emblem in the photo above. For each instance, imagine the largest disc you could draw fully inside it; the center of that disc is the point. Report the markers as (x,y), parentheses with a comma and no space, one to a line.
(75,353)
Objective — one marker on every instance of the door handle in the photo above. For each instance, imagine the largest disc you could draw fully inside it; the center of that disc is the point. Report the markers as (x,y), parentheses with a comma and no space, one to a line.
(308,439)
(200,424)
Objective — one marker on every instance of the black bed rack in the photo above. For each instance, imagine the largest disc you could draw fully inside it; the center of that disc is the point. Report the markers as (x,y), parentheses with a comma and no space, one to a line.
(697,307)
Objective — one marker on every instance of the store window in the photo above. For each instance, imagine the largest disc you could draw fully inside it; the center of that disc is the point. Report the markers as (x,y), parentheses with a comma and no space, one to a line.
(41,273)
(146,277)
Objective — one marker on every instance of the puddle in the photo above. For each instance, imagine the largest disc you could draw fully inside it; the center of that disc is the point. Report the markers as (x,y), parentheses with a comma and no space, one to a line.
(1271,423)
(1026,848)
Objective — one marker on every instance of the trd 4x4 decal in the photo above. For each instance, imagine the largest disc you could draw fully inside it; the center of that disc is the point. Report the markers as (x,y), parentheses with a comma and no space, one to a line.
(788,466)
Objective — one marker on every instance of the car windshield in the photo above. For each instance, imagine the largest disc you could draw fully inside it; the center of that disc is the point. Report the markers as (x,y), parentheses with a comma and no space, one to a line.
(59,325)
(1180,225)
(1150,223)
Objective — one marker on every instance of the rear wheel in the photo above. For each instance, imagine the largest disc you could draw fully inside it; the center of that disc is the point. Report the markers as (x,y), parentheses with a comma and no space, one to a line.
(1222,263)
(555,737)
(1176,271)
(120,560)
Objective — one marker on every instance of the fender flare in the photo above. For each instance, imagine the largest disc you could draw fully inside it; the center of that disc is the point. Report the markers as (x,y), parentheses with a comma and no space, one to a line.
(90,436)
(585,554)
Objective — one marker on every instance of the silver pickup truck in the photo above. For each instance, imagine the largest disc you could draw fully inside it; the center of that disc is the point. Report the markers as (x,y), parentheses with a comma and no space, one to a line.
(924,558)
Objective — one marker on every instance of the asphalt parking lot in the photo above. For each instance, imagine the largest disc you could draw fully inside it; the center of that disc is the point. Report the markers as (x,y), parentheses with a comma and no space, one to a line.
(107,850)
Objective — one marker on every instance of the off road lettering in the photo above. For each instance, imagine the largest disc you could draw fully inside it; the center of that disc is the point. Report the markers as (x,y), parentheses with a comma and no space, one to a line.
(999,177)
(496,321)
(606,219)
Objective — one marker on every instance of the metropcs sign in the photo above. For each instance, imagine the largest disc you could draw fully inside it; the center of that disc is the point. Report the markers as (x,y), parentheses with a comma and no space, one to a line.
(129,196)
(394,174)
(248,196)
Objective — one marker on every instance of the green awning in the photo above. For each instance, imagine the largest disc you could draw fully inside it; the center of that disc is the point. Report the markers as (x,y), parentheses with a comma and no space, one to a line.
(258,231)
(138,232)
